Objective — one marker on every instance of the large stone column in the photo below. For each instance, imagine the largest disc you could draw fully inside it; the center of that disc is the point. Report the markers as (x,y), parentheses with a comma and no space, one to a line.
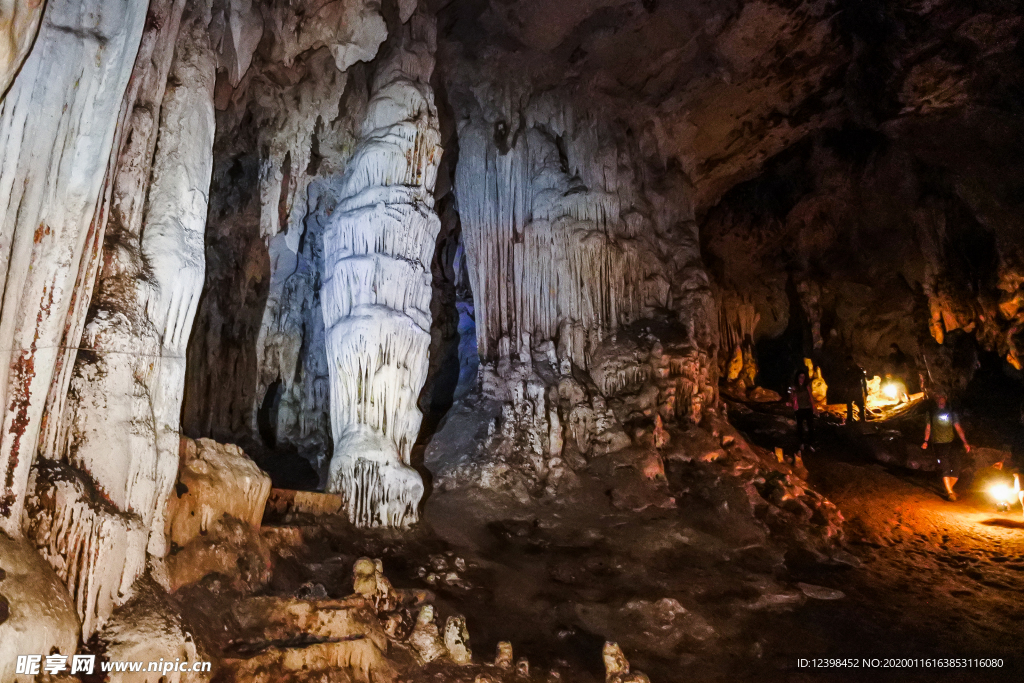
(376,293)
(124,411)
(57,127)
(118,430)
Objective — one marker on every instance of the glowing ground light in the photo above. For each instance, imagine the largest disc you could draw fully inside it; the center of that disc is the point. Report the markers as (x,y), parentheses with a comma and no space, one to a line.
(889,391)
(1004,496)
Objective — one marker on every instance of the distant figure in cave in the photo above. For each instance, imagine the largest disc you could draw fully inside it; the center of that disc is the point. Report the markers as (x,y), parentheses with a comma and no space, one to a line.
(1017,444)
(802,401)
(854,388)
(940,431)
(1016,459)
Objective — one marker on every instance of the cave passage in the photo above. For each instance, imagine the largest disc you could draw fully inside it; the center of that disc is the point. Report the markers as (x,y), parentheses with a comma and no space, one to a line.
(369,341)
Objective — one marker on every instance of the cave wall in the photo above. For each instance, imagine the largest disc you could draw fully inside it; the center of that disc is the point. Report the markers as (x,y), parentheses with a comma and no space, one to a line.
(901,225)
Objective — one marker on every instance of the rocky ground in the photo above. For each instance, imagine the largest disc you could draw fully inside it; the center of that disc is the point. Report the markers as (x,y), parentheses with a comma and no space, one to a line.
(729,566)
(692,575)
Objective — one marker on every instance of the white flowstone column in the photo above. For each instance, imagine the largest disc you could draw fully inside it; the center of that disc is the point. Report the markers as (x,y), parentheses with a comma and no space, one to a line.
(119,427)
(126,397)
(57,127)
(376,294)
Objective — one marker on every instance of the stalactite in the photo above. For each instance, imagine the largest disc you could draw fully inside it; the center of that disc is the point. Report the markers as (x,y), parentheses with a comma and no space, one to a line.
(57,127)
(545,247)
(376,295)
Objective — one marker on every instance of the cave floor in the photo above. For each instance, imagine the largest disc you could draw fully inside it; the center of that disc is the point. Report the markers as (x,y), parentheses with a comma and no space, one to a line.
(695,591)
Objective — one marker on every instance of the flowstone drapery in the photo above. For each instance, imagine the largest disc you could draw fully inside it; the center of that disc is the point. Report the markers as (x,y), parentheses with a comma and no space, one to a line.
(120,431)
(376,294)
(57,127)
(566,240)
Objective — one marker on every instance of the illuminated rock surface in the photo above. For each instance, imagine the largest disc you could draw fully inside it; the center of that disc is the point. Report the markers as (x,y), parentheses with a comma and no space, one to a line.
(377,249)
(58,123)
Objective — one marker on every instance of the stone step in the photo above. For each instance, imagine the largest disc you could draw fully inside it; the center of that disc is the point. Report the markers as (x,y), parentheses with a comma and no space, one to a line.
(280,639)
(286,504)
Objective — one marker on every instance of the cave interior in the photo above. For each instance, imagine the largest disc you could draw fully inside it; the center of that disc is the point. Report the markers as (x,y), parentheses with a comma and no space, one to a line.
(495,341)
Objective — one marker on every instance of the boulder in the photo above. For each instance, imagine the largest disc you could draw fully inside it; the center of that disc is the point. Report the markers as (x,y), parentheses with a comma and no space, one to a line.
(214,480)
(39,618)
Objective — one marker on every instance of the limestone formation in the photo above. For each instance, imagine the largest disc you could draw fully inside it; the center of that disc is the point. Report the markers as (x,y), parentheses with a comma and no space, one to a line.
(120,426)
(97,550)
(40,616)
(214,480)
(377,254)
(426,639)
(58,123)
(130,396)
(149,629)
(504,659)
(326,245)
(616,666)
(456,640)
(368,580)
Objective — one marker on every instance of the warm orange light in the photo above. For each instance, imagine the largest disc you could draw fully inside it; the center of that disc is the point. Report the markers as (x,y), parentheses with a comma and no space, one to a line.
(1002,493)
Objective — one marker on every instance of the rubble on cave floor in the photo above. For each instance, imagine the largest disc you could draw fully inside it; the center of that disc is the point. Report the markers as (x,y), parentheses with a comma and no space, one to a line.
(674,582)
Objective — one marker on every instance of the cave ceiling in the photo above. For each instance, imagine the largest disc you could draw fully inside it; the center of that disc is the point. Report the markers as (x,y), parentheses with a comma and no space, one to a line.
(719,87)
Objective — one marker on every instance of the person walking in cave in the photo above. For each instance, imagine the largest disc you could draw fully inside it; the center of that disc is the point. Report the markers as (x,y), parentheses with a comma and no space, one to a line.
(802,401)
(856,382)
(940,432)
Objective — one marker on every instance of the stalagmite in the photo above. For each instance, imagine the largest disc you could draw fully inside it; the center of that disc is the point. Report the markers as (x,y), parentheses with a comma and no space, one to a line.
(426,638)
(616,666)
(456,640)
(376,293)
(57,126)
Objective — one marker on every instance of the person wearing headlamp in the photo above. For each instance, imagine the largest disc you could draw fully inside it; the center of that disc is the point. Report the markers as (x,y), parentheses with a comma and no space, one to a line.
(940,431)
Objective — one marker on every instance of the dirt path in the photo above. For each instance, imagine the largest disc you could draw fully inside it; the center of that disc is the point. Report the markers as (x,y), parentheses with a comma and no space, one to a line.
(949,577)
